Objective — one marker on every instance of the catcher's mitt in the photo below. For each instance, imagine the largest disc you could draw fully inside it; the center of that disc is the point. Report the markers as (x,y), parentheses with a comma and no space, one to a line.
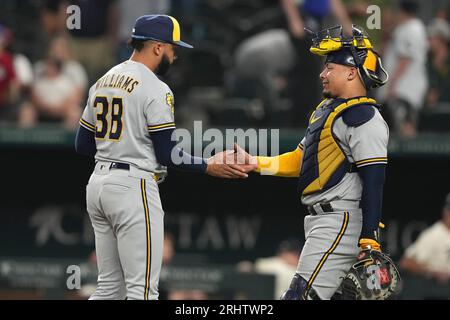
(373,277)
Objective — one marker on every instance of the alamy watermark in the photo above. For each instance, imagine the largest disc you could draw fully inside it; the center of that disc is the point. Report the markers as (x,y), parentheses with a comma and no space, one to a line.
(374,20)
(73,20)
(204,144)
(73,281)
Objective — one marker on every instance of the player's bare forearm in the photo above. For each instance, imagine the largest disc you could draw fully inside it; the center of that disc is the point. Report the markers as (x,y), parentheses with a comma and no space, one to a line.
(340,12)
(293,17)
(413,266)
(403,64)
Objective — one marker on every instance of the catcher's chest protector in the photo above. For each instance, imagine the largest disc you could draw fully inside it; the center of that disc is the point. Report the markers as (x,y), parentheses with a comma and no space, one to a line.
(324,163)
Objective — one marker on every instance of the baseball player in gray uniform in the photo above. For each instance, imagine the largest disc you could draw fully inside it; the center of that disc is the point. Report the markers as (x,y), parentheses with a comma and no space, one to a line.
(340,164)
(128,124)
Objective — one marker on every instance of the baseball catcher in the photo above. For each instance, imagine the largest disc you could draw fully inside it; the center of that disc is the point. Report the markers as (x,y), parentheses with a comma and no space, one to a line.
(340,165)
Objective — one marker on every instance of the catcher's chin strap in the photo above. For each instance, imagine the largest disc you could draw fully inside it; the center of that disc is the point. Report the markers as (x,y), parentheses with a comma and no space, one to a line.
(359,64)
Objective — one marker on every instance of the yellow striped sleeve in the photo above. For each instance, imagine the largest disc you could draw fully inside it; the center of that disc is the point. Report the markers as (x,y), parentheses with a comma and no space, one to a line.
(163,126)
(87,125)
(284,165)
(370,161)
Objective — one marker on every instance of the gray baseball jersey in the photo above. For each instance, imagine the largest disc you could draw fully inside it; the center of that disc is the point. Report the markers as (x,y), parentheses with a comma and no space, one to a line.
(331,244)
(124,107)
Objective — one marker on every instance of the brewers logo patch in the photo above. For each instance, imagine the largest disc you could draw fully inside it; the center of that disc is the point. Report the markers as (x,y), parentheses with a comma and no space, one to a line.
(169,101)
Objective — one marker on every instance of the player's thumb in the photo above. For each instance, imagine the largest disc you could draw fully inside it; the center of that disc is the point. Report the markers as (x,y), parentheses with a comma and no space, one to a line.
(242,156)
(238,149)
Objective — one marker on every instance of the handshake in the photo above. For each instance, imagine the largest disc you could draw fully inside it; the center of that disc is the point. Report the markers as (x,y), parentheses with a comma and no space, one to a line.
(231,164)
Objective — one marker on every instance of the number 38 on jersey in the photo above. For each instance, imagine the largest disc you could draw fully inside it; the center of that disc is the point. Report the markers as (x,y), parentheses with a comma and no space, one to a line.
(109,124)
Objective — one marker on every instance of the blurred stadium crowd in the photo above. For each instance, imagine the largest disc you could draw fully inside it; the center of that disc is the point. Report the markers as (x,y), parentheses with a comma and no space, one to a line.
(250,66)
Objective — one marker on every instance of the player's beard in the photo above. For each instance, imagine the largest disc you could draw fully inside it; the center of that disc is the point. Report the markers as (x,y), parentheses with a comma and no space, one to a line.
(327,95)
(163,66)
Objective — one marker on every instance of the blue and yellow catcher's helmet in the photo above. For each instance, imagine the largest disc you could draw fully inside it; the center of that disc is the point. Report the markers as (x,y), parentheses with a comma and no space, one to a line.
(355,50)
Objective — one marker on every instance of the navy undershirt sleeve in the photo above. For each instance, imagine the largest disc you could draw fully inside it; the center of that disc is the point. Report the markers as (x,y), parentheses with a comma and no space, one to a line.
(85,142)
(372,198)
(164,146)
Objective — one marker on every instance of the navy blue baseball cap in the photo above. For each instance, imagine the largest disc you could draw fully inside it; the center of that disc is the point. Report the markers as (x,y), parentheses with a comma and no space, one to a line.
(158,27)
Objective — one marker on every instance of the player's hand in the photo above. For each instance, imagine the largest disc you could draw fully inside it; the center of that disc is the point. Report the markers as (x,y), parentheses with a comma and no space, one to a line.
(223,165)
(246,161)
(367,245)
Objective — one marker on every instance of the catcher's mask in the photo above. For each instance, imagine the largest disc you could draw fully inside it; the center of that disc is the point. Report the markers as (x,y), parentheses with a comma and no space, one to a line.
(355,51)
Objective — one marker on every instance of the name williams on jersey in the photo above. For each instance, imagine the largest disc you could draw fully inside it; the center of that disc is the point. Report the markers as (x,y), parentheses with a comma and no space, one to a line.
(118,81)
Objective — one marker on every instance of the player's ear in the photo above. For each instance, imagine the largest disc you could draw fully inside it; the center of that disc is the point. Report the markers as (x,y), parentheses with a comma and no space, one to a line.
(158,48)
(352,73)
